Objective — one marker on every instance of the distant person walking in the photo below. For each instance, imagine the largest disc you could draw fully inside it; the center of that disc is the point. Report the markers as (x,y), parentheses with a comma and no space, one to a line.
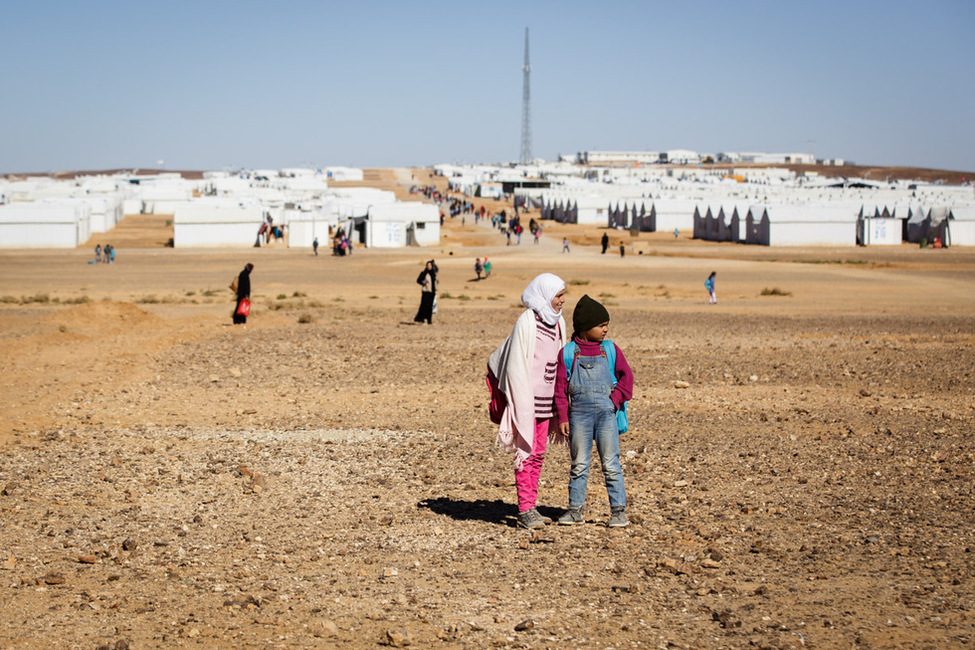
(243,289)
(314,246)
(676,233)
(428,293)
(709,285)
(98,253)
(605,242)
(565,244)
(478,267)
(622,249)
(487,268)
(523,369)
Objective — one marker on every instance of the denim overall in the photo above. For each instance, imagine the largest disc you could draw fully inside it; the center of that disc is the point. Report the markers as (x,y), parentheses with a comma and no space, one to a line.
(592,417)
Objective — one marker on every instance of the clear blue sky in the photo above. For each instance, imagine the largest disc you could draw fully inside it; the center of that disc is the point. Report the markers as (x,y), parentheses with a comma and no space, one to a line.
(211,84)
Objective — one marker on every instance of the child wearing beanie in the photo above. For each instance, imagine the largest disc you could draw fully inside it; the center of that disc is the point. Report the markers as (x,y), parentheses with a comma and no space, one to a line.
(588,394)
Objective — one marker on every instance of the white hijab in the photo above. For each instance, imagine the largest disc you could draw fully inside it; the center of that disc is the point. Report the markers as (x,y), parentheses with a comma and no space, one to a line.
(538,296)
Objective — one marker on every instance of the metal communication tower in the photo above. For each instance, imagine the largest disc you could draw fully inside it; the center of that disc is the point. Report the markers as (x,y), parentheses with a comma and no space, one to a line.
(526,109)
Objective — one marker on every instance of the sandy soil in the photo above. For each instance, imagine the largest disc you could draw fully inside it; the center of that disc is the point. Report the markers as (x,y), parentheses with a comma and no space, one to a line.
(799,467)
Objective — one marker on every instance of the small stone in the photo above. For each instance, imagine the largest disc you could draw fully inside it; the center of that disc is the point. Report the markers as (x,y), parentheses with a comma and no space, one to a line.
(130,545)
(681,384)
(753,378)
(390,572)
(526,624)
(726,619)
(708,563)
(324,629)
(53,579)
(397,638)
(680,483)
(87,559)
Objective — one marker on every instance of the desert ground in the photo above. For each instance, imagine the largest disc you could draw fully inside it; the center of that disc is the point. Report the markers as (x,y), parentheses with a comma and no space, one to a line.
(799,467)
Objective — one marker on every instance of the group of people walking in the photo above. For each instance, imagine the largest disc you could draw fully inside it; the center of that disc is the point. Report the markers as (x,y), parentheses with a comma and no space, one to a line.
(106,255)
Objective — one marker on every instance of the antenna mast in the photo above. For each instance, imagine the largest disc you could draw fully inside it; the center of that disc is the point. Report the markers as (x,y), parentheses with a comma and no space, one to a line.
(526,109)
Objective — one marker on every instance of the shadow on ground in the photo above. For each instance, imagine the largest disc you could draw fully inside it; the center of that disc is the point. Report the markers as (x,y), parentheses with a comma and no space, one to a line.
(492,512)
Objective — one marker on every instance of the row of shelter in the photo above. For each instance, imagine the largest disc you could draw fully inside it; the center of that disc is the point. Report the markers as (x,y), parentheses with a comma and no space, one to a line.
(768,212)
(836,225)
(221,209)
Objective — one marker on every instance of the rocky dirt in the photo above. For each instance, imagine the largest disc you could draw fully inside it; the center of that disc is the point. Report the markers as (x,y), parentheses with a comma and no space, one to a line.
(799,467)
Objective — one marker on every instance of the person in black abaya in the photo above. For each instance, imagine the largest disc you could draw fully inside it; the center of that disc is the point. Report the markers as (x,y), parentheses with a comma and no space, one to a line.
(428,293)
(243,293)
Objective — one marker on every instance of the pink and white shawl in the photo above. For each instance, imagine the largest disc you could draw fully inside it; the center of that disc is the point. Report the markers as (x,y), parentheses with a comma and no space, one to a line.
(511,363)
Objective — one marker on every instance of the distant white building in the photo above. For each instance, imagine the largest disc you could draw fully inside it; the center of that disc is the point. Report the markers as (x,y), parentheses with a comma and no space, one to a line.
(879,226)
(775,158)
(833,224)
(211,222)
(57,223)
(595,158)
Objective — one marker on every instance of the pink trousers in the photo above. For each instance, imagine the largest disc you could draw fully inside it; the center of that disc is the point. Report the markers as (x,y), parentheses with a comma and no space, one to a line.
(526,479)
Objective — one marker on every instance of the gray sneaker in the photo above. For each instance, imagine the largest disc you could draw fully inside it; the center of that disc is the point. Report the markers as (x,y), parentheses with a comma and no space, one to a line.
(530,519)
(617,518)
(572,516)
(545,520)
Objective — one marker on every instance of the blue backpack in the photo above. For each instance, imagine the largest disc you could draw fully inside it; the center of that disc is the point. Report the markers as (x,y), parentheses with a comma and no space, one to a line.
(569,353)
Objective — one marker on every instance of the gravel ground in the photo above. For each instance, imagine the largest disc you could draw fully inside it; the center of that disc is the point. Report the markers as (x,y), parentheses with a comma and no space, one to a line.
(799,469)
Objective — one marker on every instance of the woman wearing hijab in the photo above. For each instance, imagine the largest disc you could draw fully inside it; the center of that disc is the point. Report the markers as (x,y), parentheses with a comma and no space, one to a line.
(243,293)
(525,366)
(428,293)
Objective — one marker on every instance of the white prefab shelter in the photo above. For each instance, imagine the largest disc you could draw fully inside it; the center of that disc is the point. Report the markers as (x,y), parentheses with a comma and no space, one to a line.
(591,210)
(391,225)
(164,195)
(803,225)
(674,213)
(305,227)
(45,224)
(106,211)
(878,226)
(961,226)
(216,222)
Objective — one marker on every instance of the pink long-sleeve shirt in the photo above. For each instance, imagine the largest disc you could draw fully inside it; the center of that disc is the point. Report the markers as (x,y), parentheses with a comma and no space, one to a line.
(622,392)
